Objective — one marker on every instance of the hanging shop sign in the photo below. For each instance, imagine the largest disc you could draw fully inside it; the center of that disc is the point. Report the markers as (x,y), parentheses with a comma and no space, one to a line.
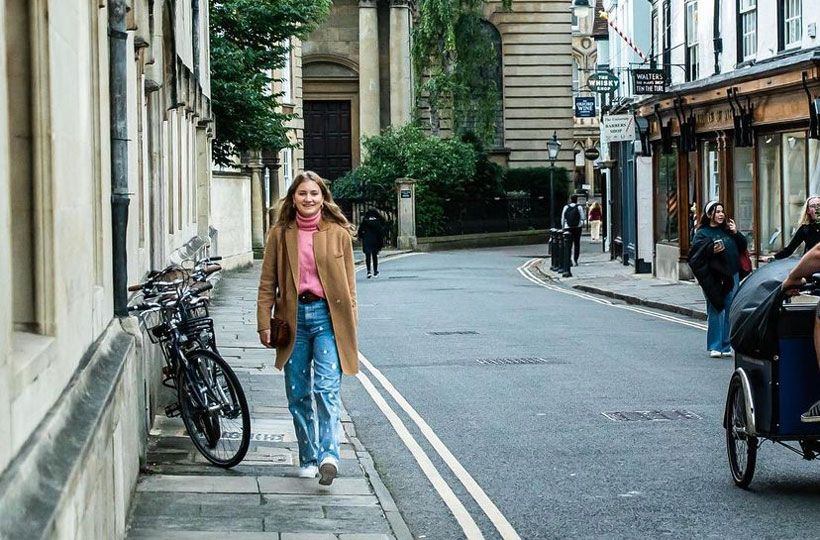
(603,82)
(592,154)
(619,127)
(585,107)
(649,81)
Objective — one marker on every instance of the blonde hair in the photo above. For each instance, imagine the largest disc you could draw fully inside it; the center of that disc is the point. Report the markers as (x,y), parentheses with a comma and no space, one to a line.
(330,210)
(804,214)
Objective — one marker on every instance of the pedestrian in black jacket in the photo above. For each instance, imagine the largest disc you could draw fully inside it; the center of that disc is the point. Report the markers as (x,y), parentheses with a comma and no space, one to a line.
(808,232)
(371,233)
(715,260)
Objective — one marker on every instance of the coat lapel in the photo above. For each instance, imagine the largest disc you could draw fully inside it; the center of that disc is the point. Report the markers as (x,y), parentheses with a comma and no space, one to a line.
(319,249)
(292,245)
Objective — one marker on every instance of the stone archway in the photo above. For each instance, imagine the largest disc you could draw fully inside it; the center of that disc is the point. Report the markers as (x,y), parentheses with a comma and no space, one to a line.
(331,111)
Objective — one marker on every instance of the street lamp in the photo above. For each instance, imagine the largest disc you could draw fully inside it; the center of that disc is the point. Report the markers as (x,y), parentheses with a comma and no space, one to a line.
(581,8)
(553,147)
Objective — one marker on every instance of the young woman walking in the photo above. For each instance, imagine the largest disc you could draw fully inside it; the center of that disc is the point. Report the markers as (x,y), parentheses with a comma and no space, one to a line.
(308,281)
(715,260)
(371,233)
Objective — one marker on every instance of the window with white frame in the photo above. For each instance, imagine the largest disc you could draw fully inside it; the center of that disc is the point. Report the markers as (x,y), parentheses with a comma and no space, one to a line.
(692,40)
(286,74)
(576,83)
(792,21)
(656,36)
(287,167)
(747,29)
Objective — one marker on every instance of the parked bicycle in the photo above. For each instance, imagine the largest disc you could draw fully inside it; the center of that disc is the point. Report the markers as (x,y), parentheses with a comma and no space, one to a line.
(174,313)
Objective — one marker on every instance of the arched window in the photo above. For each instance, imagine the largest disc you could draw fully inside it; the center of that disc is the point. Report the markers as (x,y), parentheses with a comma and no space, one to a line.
(496,73)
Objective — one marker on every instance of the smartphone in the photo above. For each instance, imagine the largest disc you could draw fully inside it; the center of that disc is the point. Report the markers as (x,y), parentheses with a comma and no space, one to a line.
(719,244)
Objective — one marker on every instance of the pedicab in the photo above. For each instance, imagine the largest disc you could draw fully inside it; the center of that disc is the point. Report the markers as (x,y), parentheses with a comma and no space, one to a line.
(776,377)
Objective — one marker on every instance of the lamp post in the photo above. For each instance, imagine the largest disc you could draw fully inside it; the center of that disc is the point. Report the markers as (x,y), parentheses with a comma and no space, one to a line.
(553,147)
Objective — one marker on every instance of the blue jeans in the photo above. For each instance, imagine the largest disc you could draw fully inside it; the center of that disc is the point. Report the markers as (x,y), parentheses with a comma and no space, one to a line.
(717,332)
(318,427)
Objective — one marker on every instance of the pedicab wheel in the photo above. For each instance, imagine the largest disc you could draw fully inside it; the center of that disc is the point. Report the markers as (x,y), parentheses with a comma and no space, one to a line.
(741,447)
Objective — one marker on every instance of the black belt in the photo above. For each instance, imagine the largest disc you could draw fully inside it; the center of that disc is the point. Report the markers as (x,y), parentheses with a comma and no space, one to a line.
(308,298)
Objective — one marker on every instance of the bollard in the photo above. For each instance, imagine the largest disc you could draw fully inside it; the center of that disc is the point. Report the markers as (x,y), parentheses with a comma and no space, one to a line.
(553,235)
(566,259)
(559,250)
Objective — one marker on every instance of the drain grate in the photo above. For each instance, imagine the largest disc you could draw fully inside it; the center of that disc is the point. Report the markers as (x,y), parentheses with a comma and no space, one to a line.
(651,416)
(456,333)
(524,361)
(402,277)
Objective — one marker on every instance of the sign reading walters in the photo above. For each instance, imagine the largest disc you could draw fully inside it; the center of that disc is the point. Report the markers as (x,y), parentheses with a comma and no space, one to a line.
(649,81)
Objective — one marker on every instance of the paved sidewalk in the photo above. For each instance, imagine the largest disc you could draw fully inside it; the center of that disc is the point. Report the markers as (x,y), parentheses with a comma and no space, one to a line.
(180,496)
(598,274)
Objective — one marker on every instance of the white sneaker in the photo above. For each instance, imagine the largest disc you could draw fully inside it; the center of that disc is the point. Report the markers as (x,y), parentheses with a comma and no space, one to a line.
(715,354)
(726,354)
(309,471)
(327,471)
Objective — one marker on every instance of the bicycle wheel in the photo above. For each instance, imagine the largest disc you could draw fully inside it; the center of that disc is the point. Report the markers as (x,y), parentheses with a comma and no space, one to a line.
(214,409)
(741,447)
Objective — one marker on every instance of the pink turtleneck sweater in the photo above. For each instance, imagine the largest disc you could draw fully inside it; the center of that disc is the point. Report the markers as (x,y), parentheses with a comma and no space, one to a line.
(308,273)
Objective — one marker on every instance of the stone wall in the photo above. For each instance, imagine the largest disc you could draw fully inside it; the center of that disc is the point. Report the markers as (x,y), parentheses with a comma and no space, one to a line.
(76,391)
(231,217)
(537,56)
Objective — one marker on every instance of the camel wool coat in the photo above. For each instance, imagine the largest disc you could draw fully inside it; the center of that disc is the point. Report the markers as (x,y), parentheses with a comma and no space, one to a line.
(333,250)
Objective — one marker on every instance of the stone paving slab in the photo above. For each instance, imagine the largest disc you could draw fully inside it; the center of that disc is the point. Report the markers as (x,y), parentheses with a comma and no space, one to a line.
(180,496)
(163,534)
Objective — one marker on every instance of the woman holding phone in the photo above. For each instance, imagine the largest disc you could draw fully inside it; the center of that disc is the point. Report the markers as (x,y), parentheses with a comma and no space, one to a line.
(715,260)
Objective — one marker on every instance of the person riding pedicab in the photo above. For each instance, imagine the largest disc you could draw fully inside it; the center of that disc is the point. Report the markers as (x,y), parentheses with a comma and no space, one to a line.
(808,265)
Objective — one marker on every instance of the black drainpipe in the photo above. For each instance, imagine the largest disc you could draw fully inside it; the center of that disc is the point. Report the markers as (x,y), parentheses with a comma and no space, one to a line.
(118,95)
(717,39)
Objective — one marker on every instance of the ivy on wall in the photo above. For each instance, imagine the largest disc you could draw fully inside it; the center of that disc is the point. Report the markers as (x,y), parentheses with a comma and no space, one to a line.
(456,61)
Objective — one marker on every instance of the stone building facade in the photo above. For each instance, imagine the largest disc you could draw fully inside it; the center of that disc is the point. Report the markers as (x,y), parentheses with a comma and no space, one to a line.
(357,80)
(77,383)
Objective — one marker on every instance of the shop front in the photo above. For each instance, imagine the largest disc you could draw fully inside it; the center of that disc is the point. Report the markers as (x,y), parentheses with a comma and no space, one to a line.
(748,138)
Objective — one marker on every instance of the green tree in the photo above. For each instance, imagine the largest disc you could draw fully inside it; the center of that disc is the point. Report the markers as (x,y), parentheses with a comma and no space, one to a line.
(248,41)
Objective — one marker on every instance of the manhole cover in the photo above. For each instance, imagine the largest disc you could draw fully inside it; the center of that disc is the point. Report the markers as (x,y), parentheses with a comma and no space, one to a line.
(651,416)
(528,360)
(456,333)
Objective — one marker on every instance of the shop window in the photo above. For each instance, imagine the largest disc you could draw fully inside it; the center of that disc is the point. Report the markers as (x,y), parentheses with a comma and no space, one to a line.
(711,178)
(744,192)
(791,23)
(747,30)
(814,167)
(666,198)
(771,220)
(692,65)
(794,180)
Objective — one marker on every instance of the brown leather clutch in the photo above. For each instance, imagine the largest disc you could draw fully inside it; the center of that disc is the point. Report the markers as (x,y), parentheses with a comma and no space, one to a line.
(279,332)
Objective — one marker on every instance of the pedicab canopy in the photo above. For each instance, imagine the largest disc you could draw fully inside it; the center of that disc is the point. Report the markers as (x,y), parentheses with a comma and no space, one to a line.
(755,309)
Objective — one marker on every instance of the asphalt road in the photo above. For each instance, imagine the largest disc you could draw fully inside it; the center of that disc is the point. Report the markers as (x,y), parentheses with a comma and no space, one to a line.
(533,436)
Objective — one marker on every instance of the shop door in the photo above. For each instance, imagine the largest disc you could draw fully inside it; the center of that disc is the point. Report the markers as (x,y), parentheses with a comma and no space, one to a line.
(629,232)
(328,149)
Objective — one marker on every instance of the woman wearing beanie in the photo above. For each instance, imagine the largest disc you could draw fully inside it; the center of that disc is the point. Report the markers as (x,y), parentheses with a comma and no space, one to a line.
(715,260)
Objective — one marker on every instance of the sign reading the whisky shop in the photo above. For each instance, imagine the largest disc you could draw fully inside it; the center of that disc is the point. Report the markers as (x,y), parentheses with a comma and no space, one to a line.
(649,81)
(603,82)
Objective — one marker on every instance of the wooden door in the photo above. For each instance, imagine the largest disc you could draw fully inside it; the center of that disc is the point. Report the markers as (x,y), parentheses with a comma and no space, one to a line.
(328,149)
